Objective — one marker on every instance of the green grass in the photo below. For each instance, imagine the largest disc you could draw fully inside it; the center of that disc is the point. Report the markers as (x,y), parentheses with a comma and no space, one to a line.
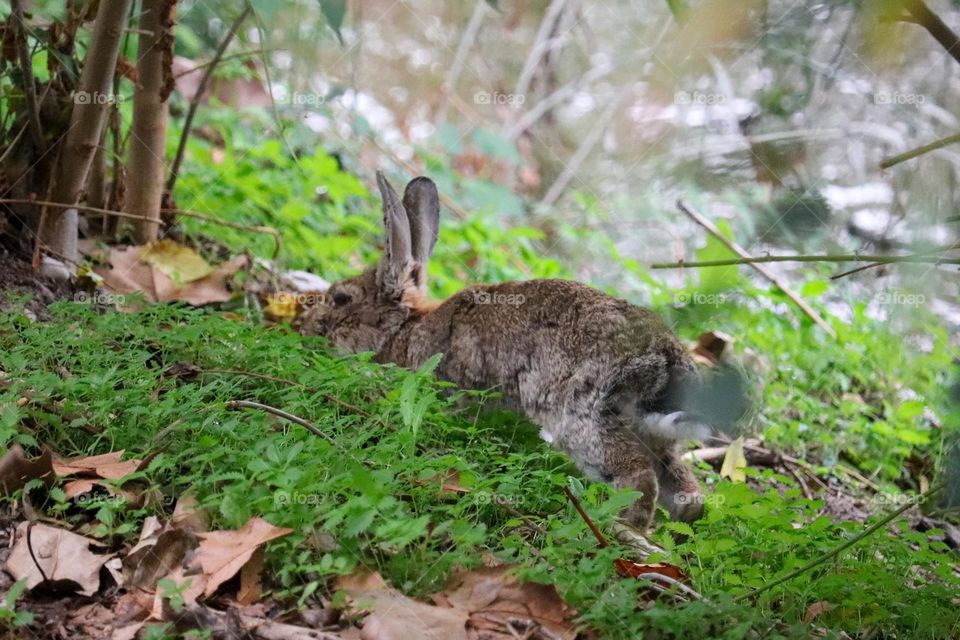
(372,495)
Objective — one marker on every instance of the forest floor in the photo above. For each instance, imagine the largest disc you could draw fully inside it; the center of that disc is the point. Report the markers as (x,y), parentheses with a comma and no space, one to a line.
(157,494)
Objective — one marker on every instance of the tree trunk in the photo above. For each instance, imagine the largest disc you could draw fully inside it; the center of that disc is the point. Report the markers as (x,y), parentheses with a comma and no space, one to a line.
(145,170)
(91,105)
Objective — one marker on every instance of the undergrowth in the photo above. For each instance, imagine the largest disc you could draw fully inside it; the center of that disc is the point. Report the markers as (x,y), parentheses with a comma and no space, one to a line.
(372,494)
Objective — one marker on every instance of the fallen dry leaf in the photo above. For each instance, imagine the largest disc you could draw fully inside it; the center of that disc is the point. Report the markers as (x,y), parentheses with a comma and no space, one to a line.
(156,556)
(223,553)
(484,603)
(189,515)
(815,610)
(16,470)
(61,554)
(394,616)
(128,274)
(710,346)
(734,462)
(107,466)
(282,305)
(176,261)
(630,569)
(250,585)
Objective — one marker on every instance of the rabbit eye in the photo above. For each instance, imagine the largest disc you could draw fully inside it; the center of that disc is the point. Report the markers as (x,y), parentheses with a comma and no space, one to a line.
(341,299)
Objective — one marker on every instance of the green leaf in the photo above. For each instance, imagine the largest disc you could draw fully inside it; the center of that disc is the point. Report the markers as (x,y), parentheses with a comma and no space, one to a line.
(679,9)
(714,279)
(814,288)
(334,11)
(679,527)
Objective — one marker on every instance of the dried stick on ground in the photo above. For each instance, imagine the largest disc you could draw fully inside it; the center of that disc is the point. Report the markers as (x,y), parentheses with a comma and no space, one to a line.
(86,123)
(766,273)
(148,137)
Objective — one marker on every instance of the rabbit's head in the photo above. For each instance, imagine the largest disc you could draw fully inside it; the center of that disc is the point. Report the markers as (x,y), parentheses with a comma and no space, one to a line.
(363,312)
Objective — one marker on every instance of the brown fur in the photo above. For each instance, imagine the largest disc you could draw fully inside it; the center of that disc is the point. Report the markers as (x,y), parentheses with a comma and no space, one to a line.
(593,371)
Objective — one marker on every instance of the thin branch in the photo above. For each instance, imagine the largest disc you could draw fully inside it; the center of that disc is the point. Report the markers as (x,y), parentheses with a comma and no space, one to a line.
(540,45)
(292,383)
(919,151)
(930,21)
(132,216)
(215,62)
(766,273)
(26,71)
(529,118)
(198,96)
(601,540)
(923,497)
(586,146)
(727,262)
(309,426)
(33,556)
(466,43)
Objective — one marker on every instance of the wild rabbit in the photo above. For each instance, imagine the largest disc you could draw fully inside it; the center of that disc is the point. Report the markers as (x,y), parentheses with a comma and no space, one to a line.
(608,382)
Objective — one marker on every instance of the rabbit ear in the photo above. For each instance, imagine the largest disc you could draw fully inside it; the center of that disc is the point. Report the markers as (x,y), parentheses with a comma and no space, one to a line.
(394,270)
(422,203)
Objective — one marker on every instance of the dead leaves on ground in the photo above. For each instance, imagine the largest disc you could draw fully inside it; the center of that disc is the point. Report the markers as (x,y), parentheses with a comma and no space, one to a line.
(488,603)
(42,553)
(169,564)
(166,271)
(16,470)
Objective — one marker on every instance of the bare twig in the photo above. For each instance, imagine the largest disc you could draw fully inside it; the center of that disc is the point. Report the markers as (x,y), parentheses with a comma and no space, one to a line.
(846,545)
(480,11)
(309,426)
(26,71)
(292,383)
(601,540)
(766,273)
(589,142)
(930,21)
(754,260)
(198,96)
(33,557)
(209,63)
(541,43)
(919,151)
(180,212)
(536,112)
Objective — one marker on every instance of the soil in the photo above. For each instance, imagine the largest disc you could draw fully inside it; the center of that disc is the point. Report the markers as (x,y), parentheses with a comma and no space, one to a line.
(17,279)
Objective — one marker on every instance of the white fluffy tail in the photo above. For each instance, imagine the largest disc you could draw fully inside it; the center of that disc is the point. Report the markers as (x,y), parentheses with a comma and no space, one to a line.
(678,425)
